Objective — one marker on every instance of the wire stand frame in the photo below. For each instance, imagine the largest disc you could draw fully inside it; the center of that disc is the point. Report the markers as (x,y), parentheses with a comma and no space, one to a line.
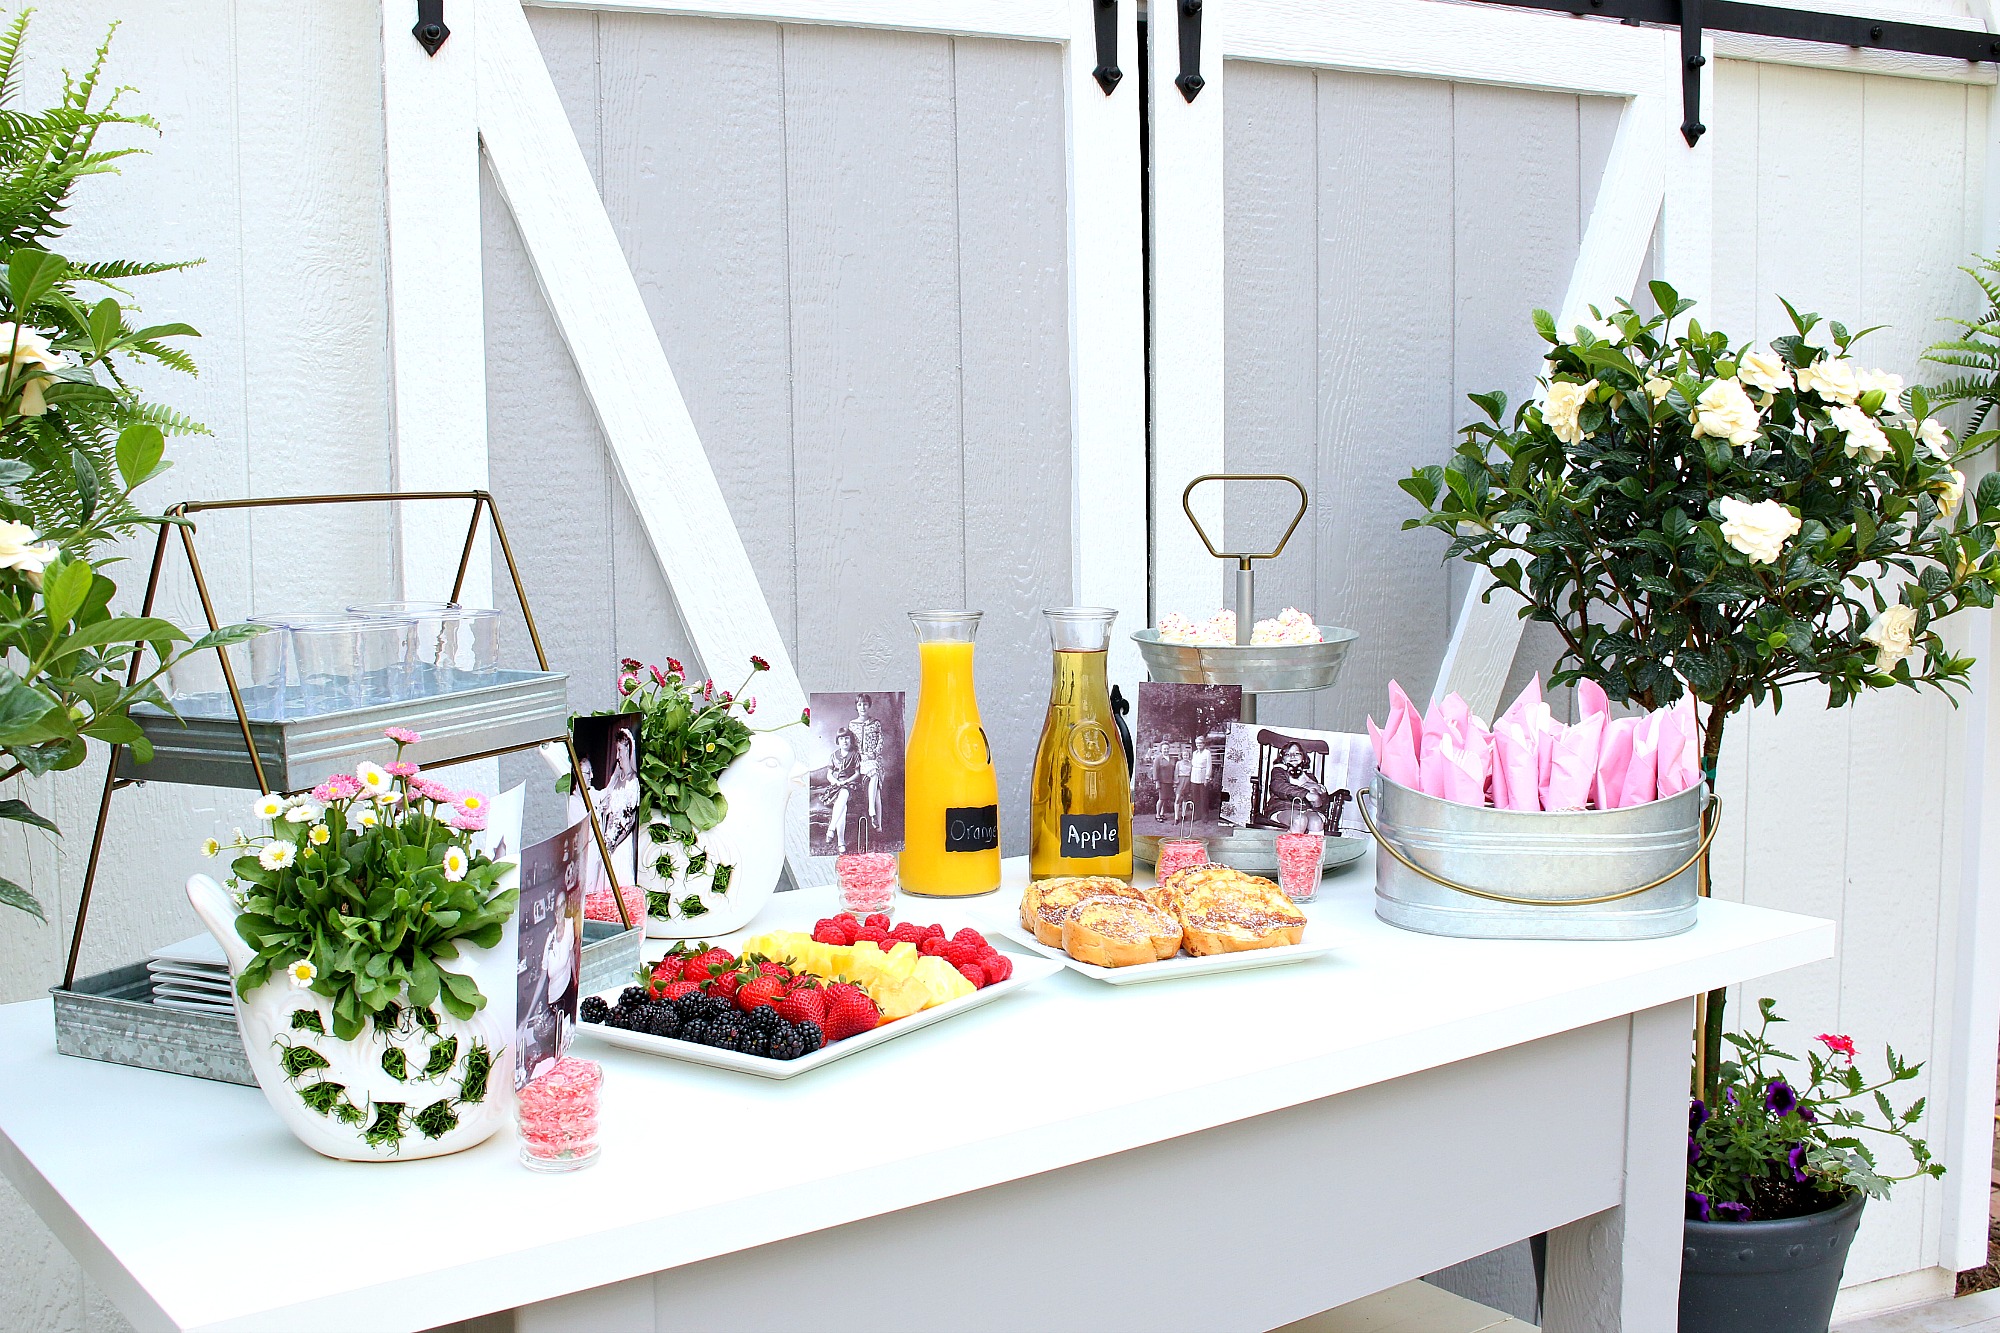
(178,518)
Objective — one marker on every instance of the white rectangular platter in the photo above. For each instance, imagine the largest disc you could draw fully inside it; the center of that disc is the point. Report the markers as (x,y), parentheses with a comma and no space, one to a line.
(1182,965)
(1027,971)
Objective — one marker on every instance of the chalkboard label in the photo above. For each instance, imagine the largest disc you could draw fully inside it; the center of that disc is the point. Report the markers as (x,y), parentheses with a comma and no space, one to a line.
(971,828)
(1086,837)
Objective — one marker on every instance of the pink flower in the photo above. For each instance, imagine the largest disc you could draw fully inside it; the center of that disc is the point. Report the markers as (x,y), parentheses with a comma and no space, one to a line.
(402,768)
(659,676)
(1842,1046)
(708,689)
(759,664)
(674,667)
(472,821)
(806,715)
(749,705)
(628,664)
(432,789)
(401,735)
(628,682)
(727,697)
(339,787)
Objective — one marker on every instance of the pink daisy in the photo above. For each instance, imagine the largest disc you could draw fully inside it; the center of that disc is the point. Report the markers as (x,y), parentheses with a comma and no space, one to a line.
(759,664)
(432,789)
(402,768)
(628,682)
(401,735)
(472,821)
(339,787)
(659,676)
(749,705)
(674,667)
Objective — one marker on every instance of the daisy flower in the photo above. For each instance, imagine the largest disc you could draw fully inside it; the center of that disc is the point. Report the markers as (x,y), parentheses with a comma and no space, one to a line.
(674,667)
(367,819)
(471,821)
(628,664)
(210,847)
(432,790)
(759,664)
(628,681)
(302,973)
(402,768)
(373,777)
(339,787)
(401,735)
(304,810)
(471,802)
(659,676)
(277,855)
(455,863)
(318,835)
(269,807)
(749,705)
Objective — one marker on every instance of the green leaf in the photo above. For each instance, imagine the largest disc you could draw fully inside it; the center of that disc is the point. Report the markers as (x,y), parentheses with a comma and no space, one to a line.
(20,812)
(140,448)
(106,322)
(31,275)
(121,629)
(64,586)
(1545,324)
(86,482)
(13,895)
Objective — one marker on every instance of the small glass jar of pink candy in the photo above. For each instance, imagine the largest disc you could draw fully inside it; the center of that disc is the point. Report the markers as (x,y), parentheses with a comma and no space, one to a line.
(1177,854)
(1299,861)
(557,1114)
(866,883)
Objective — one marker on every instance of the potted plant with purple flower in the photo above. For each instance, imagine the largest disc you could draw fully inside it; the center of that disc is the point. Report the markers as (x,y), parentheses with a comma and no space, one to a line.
(1779,1168)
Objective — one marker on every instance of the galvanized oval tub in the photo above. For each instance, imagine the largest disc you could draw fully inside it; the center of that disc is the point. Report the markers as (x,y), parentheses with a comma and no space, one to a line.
(1552,875)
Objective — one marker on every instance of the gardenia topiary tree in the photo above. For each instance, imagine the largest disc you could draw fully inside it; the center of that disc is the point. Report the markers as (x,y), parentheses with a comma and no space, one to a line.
(1725,520)
(76,439)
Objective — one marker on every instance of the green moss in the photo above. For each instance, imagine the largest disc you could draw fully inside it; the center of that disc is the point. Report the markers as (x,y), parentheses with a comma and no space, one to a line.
(307,1020)
(387,1128)
(298,1061)
(478,1069)
(436,1120)
(322,1098)
(396,1064)
(443,1056)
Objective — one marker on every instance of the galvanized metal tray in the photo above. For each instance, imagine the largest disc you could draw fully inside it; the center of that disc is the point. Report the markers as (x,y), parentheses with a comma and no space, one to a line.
(611,955)
(1255,851)
(111,1016)
(1276,668)
(205,745)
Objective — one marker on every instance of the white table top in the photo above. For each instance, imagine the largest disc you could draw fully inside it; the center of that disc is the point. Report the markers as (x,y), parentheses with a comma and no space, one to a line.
(194,1208)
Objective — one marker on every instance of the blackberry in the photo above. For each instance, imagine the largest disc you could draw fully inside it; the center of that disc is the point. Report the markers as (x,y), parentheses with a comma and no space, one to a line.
(787,1046)
(663,1021)
(811,1036)
(595,1010)
(698,1032)
(754,1043)
(763,1019)
(692,1005)
(623,1015)
(631,995)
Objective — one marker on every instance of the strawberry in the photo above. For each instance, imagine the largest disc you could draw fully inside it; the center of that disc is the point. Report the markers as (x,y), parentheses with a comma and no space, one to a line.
(725,984)
(997,967)
(670,990)
(968,935)
(701,967)
(973,973)
(804,1004)
(848,1011)
(879,920)
(930,946)
(767,968)
(759,990)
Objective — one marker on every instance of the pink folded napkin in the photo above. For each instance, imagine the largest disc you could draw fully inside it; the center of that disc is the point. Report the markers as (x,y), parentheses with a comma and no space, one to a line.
(1463,771)
(1572,765)
(1514,767)
(1680,749)
(1530,697)
(1614,756)
(1591,700)
(1396,744)
(1642,774)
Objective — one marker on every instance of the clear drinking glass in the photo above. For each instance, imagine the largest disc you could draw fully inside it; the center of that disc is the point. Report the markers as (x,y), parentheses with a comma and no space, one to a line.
(343,662)
(448,646)
(557,1116)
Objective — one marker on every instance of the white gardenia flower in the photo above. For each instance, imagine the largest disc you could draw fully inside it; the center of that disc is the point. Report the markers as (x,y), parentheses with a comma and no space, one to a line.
(455,863)
(26,352)
(277,855)
(1758,530)
(1934,437)
(1726,412)
(1833,378)
(1657,389)
(18,551)
(1951,493)
(1765,370)
(374,777)
(1890,385)
(1894,635)
(1864,438)
(303,810)
(269,807)
(1563,405)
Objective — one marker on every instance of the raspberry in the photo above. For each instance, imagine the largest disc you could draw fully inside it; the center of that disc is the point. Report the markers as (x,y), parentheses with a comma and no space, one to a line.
(759,991)
(874,935)
(878,920)
(969,936)
(997,967)
(934,930)
(825,931)
(909,933)
(930,946)
(973,973)
(959,953)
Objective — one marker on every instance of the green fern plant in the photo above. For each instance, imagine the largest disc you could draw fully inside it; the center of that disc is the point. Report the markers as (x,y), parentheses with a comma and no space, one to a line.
(77,438)
(1975,353)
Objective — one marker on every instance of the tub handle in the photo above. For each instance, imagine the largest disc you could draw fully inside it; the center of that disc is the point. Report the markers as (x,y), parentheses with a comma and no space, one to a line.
(1709,822)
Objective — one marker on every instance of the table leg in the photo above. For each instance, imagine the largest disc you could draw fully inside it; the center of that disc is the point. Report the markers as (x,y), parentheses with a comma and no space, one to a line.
(1619,1271)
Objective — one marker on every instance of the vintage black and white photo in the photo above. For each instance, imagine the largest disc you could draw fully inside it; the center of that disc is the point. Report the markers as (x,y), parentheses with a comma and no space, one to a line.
(1294,780)
(607,751)
(855,784)
(1177,758)
(549,949)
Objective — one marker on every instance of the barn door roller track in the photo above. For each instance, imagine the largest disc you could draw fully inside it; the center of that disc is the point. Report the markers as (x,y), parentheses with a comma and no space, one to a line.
(1692,16)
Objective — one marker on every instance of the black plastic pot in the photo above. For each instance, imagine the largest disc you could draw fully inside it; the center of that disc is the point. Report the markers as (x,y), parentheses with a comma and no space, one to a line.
(1766,1277)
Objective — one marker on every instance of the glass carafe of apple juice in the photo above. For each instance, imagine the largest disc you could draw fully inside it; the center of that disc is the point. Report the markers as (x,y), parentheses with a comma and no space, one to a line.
(1080,822)
(951,800)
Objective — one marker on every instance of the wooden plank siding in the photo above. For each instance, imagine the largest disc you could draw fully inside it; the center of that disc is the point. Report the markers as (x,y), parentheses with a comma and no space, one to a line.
(852,244)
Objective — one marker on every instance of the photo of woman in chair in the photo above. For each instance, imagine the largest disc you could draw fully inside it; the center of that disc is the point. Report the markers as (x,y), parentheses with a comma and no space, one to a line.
(1295,799)
(1294,781)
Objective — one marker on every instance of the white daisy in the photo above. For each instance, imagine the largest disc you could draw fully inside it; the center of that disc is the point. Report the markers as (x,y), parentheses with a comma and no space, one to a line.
(269,807)
(302,973)
(318,835)
(303,810)
(211,847)
(367,819)
(455,863)
(374,777)
(277,855)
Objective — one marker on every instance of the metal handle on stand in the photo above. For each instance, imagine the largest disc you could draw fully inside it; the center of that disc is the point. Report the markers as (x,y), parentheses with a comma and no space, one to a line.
(1246,575)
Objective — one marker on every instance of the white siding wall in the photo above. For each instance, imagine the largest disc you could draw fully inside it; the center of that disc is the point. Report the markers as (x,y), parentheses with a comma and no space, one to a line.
(269,167)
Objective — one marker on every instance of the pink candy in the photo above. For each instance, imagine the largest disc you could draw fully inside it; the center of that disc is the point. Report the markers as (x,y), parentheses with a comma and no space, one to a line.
(558,1114)
(1299,858)
(1177,854)
(599,905)
(867,882)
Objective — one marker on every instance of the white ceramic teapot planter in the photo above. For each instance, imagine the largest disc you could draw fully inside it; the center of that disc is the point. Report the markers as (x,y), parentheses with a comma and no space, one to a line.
(722,882)
(413,1089)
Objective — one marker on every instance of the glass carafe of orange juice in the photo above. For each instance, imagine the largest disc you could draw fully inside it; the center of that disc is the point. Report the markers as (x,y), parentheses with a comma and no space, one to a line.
(1080,820)
(951,800)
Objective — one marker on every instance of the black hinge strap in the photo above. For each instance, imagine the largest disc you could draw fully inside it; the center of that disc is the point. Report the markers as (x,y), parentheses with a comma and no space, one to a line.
(1691,62)
(430,31)
(1189,80)
(1107,72)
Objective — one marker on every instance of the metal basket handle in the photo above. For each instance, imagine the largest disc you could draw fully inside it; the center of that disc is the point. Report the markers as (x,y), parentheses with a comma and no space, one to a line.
(1709,823)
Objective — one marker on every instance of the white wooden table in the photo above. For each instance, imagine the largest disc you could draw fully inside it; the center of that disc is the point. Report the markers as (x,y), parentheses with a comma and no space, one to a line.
(1227,1152)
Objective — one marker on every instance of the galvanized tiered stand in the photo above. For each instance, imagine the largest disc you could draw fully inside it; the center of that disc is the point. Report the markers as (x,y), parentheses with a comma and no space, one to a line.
(111,1016)
(1284,668)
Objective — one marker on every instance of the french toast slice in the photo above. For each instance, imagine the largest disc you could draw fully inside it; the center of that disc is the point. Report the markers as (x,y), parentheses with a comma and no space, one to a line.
(1224,910)
(1114,931)
(1054,898)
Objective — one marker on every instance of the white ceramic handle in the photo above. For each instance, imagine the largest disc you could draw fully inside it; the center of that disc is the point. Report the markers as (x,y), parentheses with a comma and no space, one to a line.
(212,904)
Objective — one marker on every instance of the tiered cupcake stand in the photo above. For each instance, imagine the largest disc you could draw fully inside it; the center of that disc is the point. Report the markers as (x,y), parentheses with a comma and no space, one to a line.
(1259,668)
